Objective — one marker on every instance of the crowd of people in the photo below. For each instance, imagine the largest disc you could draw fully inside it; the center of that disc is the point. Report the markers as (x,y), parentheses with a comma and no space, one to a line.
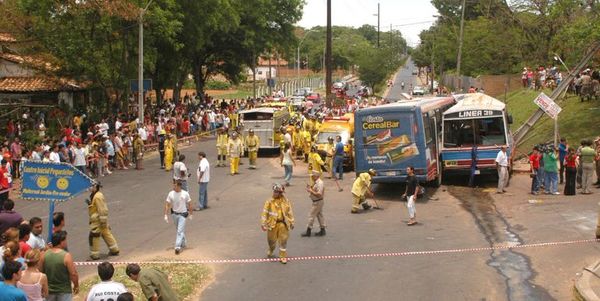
(575,167)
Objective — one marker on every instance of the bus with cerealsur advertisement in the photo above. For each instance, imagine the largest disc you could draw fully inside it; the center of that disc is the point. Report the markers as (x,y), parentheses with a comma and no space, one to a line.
(391,137)
(476,127)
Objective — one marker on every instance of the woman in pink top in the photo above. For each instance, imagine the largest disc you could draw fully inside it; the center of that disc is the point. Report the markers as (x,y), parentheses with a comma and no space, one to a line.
(33,282)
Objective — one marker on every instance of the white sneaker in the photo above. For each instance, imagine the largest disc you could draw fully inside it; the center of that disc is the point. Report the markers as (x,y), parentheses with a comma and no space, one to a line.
(556,193)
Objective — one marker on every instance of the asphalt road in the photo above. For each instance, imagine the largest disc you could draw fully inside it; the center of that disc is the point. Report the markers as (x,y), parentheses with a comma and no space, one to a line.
(450,217)
(405,75)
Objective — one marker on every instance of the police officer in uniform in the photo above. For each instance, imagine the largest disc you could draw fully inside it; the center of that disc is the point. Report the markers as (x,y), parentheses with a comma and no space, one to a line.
(316,193)
(277,219)
(252,144)
(98,214)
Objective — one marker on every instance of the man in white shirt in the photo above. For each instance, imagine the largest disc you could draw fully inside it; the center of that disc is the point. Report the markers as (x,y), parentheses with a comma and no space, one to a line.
(502,166)
(180,172)
(107,289)
(103,127)
(178,204)
(36,241)
(118,124)
(54,157)
(203,174)
(79,154)
(143,133)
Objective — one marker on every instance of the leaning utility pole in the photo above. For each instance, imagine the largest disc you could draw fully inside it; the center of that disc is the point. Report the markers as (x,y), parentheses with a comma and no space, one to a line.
(460,42)
(328,62)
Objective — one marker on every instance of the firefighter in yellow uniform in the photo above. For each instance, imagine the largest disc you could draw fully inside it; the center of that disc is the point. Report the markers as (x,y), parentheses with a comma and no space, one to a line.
(222,139)
(234,151)
(329,149)
(277,219)
(306,144)
(297,142)
(315,163)
(251,145)
(98,214)
(360,189)
(233,117)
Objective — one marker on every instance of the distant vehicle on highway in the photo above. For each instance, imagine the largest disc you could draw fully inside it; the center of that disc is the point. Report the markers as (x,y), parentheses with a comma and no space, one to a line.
(418,90)
(415,72)
(305,91)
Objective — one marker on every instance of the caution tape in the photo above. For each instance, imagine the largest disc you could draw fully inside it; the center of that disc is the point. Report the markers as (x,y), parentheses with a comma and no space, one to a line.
(353,256)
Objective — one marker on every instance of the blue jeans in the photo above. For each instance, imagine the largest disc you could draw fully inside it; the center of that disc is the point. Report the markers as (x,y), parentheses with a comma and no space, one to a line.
(184,185)
(203,197)
(59,297)
(180,226)
(535,183)
(551,182)
(288,169)
(338,167)
(541,177)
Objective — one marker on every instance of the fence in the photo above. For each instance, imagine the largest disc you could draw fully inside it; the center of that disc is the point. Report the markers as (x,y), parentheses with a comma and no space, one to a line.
(494,85)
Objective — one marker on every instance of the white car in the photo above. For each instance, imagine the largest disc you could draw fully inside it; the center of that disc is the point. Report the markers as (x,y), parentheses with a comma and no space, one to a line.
(418,90)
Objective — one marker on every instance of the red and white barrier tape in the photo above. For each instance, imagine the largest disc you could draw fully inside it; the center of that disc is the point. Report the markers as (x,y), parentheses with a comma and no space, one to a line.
(354,256)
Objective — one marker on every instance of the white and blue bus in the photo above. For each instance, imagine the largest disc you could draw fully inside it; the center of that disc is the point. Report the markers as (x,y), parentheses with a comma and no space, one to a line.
(477,124)
(391,137)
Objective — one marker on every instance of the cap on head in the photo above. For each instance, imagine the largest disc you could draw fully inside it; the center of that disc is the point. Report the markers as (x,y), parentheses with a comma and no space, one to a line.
(250,131)
(372,172)
(278,188)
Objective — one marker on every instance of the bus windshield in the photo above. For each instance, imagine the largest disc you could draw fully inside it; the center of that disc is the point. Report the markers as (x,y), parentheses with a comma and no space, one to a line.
(323,136)
(257,116)
(469,132)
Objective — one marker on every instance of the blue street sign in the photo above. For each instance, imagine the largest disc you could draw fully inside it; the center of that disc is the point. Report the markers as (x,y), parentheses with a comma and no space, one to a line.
(52,181)
(133,85)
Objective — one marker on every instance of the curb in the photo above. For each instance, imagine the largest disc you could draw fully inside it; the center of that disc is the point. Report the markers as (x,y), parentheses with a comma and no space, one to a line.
(584,284)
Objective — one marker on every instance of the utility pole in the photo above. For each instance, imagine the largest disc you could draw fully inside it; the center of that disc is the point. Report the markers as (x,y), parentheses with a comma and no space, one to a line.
(328,65)
(378,19)
(141,63)
(391,37)
(460,42)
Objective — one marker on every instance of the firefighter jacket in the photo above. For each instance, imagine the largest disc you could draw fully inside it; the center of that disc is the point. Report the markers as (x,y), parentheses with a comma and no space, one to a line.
(315,162)
(222,140)
(234,148)
(252,143)
(277,210)
(98,213)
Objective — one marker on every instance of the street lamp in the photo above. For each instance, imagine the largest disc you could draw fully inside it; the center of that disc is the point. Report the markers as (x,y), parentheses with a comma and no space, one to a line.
(141,63)
(557,58)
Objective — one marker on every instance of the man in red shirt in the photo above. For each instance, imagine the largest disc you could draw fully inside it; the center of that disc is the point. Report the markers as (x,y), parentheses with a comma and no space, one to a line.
(534,161)
(4,184)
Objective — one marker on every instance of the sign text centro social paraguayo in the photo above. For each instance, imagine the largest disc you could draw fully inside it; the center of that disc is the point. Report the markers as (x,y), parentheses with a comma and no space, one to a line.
(547,105)
(52,181)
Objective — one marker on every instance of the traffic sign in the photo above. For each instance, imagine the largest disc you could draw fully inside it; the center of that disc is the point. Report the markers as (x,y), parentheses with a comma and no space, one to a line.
(52,181)
(547,105)
(133,85)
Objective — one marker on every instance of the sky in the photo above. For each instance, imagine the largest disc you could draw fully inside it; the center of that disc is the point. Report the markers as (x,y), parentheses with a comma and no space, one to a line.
(401,14)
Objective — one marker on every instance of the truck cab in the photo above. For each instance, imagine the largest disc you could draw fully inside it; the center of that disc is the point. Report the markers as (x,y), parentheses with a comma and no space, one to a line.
(332,127)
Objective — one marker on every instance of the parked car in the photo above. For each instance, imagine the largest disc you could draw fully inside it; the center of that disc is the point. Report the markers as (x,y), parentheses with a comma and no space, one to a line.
(415,72)
(418,90)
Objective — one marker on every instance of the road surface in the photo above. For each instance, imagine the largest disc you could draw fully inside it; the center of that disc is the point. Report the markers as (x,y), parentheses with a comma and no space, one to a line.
(451,217)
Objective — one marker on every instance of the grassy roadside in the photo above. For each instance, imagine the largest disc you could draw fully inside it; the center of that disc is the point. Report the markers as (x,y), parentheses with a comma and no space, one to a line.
(578,120)
(186,280)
